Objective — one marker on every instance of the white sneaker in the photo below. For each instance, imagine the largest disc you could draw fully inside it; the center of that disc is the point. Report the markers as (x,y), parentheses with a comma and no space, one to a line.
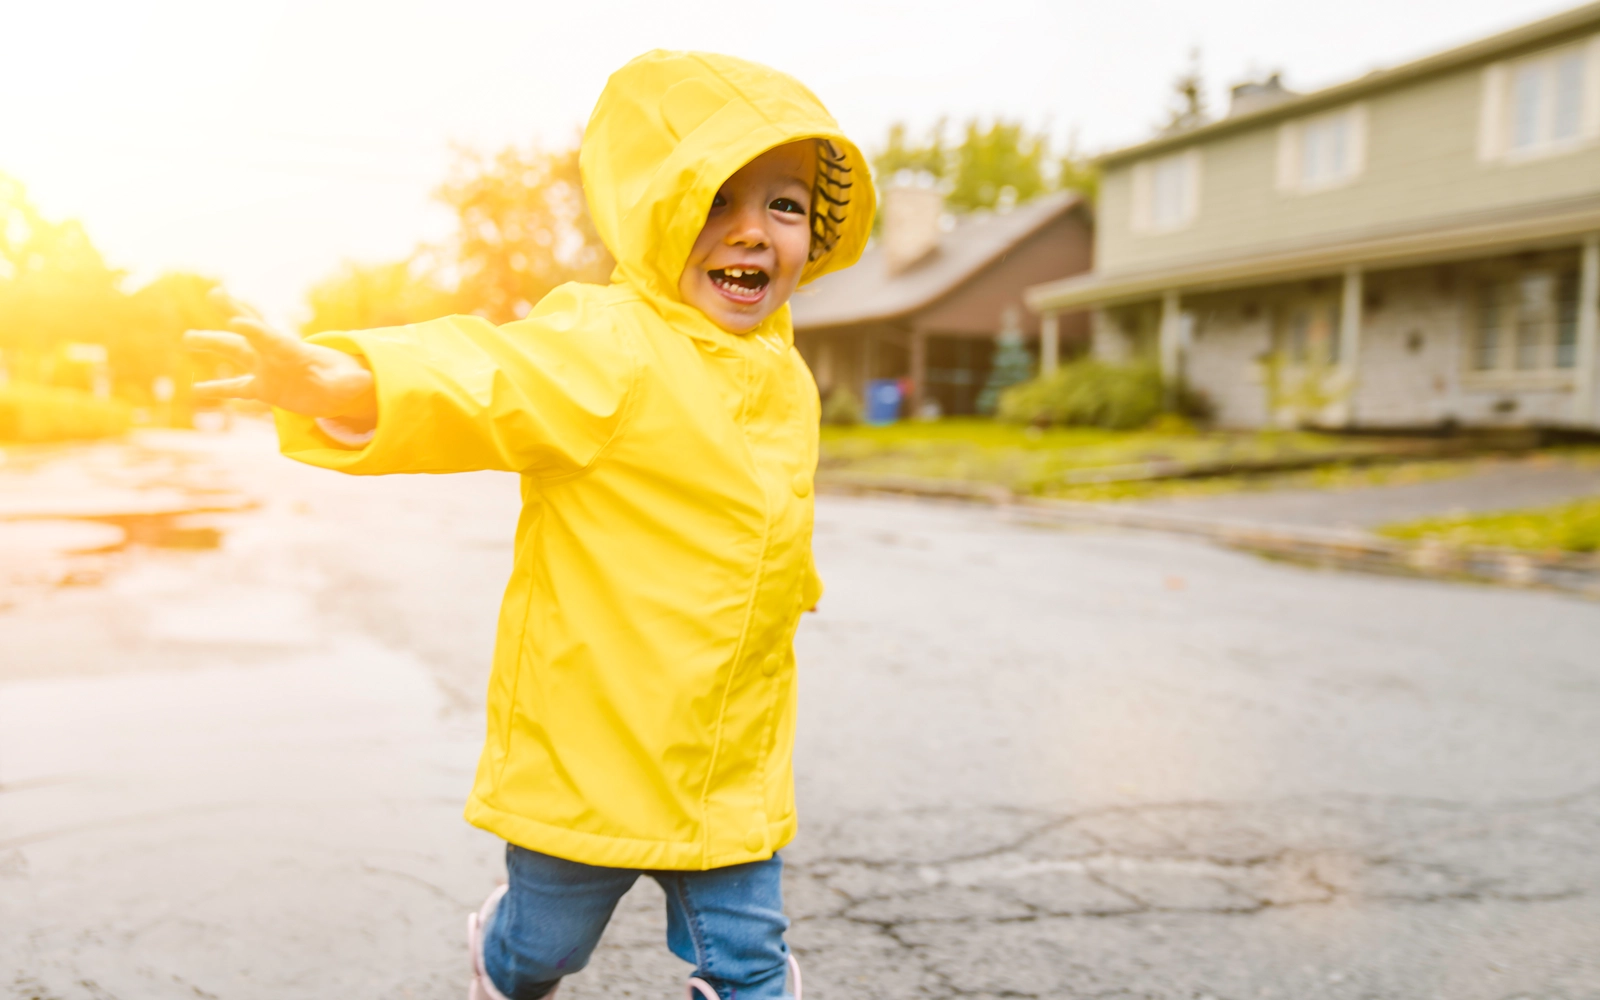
(699,989)
(482,987)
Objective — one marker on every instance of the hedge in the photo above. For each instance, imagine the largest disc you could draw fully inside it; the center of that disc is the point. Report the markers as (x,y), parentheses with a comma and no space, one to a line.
(30,413)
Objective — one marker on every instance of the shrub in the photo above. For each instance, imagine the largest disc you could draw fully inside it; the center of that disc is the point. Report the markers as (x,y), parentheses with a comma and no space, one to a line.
(31,413)
(841,408)
(1087,393)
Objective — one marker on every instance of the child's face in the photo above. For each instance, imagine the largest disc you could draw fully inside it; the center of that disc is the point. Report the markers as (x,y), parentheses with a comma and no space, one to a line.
(747,260)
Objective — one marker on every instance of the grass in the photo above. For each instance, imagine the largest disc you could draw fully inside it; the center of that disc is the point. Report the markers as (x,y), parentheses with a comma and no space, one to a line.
(1040,462)
(1568,527)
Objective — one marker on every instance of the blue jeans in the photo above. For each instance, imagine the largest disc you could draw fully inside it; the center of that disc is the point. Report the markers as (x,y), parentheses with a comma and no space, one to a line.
(728,922)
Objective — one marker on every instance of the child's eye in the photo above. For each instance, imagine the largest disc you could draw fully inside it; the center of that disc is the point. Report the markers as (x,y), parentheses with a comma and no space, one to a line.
(787,205)
(718,201)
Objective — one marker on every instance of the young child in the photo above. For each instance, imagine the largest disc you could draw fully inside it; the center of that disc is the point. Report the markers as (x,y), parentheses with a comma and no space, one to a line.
(641,705)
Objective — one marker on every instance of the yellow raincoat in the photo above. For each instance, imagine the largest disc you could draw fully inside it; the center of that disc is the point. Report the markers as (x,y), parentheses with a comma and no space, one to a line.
(641,705)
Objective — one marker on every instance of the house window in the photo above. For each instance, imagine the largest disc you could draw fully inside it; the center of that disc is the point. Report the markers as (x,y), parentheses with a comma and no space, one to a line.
(1322,151)
(1542,104)
(1526,322)
(1166,192)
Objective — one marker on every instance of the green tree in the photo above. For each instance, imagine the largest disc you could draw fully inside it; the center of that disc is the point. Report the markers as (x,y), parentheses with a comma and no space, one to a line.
(1000,165)
(929,156)
(996,164)
(1076,172)
(523,228)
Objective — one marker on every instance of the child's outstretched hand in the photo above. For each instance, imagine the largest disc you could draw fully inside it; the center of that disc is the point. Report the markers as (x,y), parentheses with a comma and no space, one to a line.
(285,371)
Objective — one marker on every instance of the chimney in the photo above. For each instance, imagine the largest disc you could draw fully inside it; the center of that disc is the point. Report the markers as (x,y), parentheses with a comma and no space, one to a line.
(910,222)
(1253,95)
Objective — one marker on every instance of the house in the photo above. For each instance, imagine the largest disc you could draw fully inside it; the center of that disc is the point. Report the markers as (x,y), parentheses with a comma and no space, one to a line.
(929,297)
(1416,247)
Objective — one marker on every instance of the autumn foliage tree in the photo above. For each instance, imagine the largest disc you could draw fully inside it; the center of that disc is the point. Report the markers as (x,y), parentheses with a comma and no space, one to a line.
(522,228)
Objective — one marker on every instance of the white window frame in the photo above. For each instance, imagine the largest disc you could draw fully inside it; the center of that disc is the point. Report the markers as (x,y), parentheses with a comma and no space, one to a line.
(1497,125)
(1291,150)
(1144,192)
(1549,366)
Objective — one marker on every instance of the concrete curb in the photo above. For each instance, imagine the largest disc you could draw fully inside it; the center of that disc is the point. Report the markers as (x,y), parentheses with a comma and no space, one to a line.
(1355,550)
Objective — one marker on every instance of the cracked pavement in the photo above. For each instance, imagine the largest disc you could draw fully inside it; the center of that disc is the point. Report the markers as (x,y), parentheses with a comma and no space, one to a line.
(1031,763)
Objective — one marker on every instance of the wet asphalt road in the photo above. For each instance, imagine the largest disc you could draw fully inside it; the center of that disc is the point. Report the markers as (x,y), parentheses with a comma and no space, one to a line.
(1030,763)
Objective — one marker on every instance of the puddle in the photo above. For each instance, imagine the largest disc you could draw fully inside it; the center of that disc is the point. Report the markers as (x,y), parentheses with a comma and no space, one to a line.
(175,530)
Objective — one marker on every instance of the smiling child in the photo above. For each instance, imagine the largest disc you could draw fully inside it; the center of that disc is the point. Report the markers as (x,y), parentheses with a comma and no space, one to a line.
(641,705)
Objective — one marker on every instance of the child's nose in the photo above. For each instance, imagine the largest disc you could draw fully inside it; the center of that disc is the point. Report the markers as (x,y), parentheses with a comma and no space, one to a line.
(748,230)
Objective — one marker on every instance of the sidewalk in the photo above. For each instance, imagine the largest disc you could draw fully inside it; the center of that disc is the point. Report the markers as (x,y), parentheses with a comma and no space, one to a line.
(1327,527)
(1501,485)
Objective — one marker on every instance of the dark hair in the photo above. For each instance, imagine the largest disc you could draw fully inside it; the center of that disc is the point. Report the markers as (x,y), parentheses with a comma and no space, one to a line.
(830,198)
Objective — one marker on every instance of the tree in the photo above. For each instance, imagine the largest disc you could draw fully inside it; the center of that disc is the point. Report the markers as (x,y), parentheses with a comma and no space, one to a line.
(998,166)
(929,157)
(1076,172)
(360,297)
(523,228)
(1188,103)
(55,287)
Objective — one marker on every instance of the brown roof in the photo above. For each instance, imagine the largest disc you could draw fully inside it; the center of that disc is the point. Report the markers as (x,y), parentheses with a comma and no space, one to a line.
(868,292)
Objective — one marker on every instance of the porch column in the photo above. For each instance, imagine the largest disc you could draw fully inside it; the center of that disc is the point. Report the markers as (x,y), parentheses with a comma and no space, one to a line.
(1350,338)
(1049,343)
(919,370)
(1170,342)
(1583,396)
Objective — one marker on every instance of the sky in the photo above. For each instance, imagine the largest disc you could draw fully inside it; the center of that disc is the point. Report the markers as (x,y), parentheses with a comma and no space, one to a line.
(265,143)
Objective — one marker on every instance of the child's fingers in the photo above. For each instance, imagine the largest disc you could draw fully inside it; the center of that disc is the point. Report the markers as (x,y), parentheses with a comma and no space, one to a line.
(261,336)
(229,345)
(239,387)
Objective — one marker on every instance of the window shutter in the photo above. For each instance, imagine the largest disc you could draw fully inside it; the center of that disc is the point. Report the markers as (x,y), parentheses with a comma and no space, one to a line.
(1591,90)
(1289,156)
(1142,196)
(1492,113)
(1357,133)
(1191,180)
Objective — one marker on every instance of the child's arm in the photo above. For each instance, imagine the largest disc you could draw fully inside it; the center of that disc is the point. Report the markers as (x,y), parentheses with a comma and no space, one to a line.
(542,395)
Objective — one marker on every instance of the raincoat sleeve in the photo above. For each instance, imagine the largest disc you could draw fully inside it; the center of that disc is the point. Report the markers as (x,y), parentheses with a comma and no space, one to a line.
(543,395)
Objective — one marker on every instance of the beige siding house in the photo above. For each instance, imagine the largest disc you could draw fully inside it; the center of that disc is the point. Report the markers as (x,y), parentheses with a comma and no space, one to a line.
(1417,247)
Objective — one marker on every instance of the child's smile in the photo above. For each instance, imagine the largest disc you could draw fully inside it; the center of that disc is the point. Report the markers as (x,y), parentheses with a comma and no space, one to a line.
(747,260)
(743,285)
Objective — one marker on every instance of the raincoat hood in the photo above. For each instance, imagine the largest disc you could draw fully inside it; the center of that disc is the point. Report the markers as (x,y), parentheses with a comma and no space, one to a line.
(669,129)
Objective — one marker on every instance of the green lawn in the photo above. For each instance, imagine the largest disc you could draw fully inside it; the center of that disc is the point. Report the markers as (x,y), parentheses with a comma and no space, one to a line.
(1042,462)
(1570,527)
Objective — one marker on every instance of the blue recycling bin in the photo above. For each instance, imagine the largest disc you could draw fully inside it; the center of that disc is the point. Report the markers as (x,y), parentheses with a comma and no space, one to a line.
(883,401)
